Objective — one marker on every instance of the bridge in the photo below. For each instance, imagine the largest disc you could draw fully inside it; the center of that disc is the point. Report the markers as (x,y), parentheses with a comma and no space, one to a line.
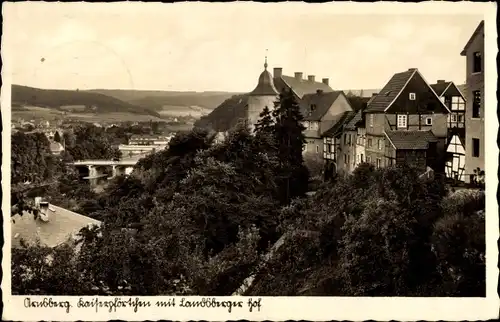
(94,170)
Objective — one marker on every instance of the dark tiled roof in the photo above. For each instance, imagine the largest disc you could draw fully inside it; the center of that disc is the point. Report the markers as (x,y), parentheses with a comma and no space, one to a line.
(439,88)
(338,123)
(300,87)
(355,121)
(321,101)
(395,85)
(411,140)
(61,226)
(471,39)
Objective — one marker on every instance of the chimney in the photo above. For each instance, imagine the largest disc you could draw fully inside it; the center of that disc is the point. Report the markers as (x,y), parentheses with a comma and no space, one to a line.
(412,69)
(298,75)
(319,91)
(374,94)
(441,81)
(310,78)
(277,72)
(325,81)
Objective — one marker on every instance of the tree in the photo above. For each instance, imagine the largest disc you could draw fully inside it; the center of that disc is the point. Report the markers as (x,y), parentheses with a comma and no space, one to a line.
(265,124)
(293,176)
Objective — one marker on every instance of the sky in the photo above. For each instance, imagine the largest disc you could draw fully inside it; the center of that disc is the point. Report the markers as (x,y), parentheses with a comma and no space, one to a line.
(221,47)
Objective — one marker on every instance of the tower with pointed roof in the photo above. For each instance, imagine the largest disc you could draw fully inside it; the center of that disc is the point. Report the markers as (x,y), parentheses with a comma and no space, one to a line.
(264,94)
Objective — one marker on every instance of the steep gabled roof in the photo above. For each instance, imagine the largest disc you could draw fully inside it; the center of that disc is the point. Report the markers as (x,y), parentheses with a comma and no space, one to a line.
(61,226)
(338,123)
(440,87)
(479,28)
(300,87)
(321,101)
(410,140)
(391,91)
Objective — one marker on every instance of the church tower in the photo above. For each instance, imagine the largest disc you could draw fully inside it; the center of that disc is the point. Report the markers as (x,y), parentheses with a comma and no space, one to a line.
(265,94)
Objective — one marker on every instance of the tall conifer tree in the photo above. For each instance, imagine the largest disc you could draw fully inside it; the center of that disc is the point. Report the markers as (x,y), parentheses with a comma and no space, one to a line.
(290,139)
(265,123)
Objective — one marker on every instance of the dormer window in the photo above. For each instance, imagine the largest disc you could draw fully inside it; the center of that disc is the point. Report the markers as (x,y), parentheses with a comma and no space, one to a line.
(428,121)
(413,96)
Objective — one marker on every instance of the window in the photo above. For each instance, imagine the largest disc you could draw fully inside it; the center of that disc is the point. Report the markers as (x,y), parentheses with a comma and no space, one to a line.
(317,148)
(349,139)
(460,117)
(476,104)
(475,148)
(369,143)
(368,159)
(371,120)
(379,162)
(361,157)
(304,147)
(345,138)
(428,121)
(379,144)
(453,118)
(402,121)
(348,159)
(477,62)
(345,158)
(413,96)
(457,103)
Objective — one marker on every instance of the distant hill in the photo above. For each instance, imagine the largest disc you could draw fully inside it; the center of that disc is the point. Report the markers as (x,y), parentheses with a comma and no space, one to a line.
(91,101)
(161,100)
(226,115)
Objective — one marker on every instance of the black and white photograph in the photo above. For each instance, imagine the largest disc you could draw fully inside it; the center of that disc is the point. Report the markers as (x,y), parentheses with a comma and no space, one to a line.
(251,151)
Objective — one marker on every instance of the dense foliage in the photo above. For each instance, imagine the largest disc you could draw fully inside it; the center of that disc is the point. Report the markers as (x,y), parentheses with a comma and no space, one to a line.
(381,233)
(31,158)
(90,142)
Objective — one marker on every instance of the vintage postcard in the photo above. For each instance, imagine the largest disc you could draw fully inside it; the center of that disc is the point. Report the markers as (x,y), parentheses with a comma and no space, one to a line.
(227,161)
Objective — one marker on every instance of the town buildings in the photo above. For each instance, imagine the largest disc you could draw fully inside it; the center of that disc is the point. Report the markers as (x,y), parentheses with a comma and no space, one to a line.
(149,140)
(451,95)
(321,111)
(474,112)
(247,107)
(406,123)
